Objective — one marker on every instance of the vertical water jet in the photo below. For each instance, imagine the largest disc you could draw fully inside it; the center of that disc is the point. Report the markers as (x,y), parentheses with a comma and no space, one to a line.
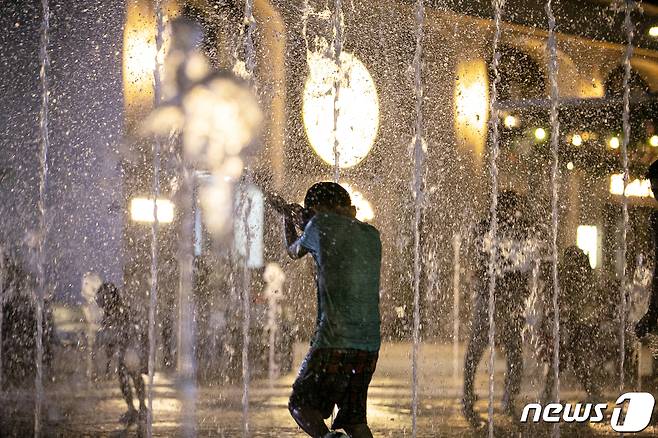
(250,65)
(43,186)
(555,144)
(153,293)
(337,51)
(418,161)
(626,128)
(493,207)
(456,298)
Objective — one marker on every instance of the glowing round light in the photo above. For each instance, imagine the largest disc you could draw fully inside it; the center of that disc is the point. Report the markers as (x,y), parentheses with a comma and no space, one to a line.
(511,121)
(358,109)
(540,134)
(576,140)
(653,140)
(653,31)
(613,142)
(570,165)
(364,211)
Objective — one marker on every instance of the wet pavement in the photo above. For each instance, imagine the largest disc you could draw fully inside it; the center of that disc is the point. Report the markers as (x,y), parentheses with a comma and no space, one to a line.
(84,409)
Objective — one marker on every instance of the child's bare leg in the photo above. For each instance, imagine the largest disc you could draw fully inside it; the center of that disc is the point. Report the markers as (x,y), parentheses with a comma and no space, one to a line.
(358,431)
(139,389)
(310,420)
(124,385)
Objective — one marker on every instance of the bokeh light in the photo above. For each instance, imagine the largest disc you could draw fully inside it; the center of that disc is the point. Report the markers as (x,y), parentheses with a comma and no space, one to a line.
(540,134)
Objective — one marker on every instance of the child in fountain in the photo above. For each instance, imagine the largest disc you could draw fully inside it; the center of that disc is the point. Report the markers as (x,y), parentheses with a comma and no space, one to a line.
(580,314)
(126,339)
(339,366)
(512,274)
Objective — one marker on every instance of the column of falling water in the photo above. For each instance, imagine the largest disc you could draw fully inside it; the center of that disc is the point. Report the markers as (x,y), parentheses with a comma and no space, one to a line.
(338,50)
(250,64)
(43,185)
(185,350)
(246,308)
(153,295)
(249,50)
(456,270)
(555,139)
(493,208)
(629,28)
(2,305)
(418,158)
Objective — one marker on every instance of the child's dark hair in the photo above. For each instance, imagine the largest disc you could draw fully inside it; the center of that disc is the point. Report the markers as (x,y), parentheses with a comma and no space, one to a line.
(652,172)
(107,296)
(327,194)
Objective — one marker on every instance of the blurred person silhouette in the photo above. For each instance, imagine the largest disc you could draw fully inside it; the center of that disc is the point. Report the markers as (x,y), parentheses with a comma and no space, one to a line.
(512,290)
(18,342)
(649,322)
(343,355)
(124,337)
(580,312)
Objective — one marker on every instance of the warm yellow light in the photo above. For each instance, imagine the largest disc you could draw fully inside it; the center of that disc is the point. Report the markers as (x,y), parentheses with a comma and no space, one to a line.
(139,52)
(141,210)
(540,134)
(640,188)
(472,105)
(576,140)
(653,140)
(653,31)
(613,142)
(511,121)
(358,106)
(364,211)
(587,239)
(570,165)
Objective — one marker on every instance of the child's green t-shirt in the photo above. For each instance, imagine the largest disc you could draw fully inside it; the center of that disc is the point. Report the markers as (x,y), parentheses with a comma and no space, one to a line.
(347,254)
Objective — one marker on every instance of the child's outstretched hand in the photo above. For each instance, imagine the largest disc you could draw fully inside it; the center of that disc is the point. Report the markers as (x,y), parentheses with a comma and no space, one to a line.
(276,202)
(294,212)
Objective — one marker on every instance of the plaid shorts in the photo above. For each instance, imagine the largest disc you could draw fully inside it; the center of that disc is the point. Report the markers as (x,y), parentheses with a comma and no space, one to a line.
(330,377)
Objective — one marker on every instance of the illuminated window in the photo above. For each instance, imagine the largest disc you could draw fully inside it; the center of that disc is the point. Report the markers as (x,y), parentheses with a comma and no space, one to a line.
(358,109)
(472,105)
(640,188)
(141,210)
(587,239)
